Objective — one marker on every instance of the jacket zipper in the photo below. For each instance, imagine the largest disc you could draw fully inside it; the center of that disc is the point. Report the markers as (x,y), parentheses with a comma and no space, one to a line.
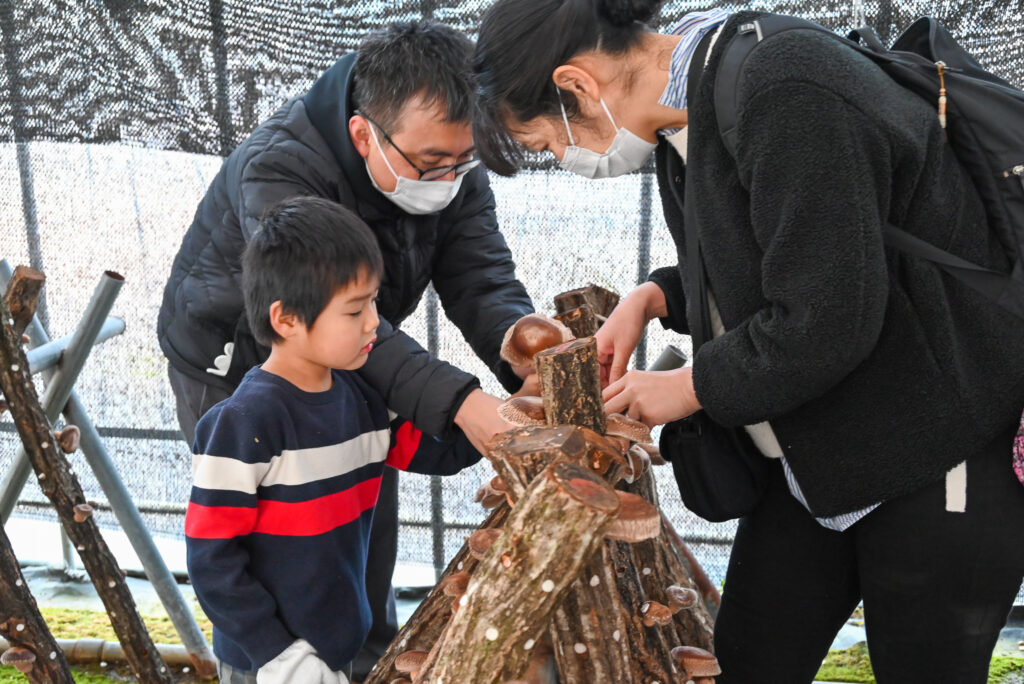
(1017,171)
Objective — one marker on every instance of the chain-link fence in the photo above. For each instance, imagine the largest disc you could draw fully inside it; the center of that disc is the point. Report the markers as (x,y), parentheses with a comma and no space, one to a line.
(114,116)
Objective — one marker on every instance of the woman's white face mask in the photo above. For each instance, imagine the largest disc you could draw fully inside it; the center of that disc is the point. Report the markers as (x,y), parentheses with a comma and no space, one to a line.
(418,196)
(628,152)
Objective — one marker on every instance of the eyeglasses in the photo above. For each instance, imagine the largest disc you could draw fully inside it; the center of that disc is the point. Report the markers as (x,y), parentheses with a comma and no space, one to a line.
(425,174)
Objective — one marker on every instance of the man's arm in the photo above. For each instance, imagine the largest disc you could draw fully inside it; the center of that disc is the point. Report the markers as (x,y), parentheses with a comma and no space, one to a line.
(474,276)
(414,383)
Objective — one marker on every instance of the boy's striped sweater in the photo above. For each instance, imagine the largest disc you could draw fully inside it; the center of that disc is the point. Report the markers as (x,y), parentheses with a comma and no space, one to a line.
(284,487)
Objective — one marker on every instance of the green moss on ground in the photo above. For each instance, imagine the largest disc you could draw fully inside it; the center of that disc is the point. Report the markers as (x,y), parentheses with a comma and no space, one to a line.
(854,665)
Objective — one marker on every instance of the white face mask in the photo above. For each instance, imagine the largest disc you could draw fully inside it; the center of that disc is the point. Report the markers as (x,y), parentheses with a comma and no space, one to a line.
(418,196)
(628,152)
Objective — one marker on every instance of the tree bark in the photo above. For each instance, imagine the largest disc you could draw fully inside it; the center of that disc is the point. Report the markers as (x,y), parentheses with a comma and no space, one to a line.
(61,486)
(22,295)
(524,575)
(581,321)
(570,384)
(426,624)
(600,300)
(520,455)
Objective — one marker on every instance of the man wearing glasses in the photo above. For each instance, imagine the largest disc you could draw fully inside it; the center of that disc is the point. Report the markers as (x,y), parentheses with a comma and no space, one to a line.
(385,132)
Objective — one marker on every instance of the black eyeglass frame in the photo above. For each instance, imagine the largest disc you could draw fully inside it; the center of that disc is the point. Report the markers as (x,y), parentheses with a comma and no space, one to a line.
(435,172)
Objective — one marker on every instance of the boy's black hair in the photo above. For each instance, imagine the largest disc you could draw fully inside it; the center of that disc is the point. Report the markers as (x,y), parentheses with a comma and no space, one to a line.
(409,58)
(305,249)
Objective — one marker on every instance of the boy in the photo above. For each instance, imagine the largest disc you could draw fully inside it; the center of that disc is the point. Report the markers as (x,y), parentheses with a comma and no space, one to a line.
(287,470)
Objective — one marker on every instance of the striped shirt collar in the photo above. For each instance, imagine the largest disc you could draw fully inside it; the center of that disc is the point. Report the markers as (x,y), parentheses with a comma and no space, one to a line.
(692,28)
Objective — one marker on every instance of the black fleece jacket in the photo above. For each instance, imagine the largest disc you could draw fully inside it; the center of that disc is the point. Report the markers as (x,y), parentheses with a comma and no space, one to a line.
(305,149)
(877,371)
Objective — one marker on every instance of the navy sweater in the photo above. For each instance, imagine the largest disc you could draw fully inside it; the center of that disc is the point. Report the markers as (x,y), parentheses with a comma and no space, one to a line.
(284,487)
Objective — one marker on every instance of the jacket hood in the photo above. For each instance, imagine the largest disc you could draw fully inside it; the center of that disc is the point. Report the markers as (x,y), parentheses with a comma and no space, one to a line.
(329,106)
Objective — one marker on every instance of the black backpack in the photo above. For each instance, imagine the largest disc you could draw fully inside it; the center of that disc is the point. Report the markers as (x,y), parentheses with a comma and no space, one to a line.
(984,123)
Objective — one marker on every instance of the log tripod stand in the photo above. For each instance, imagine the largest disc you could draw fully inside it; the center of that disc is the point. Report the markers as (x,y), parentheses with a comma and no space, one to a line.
(544,591)
(60,362)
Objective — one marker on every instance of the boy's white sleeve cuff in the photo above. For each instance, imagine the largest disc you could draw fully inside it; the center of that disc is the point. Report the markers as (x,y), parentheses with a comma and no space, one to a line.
(299,663)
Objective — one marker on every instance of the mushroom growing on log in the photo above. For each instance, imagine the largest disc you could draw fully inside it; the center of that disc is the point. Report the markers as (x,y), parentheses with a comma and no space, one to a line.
(698,664)
(19,657)
(530,334)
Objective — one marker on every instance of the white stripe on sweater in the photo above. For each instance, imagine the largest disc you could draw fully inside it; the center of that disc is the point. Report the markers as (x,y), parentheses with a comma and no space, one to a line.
(291,467)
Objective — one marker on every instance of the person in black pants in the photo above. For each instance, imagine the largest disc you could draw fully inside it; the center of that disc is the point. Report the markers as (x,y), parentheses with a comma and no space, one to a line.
(885,392)
(384,132)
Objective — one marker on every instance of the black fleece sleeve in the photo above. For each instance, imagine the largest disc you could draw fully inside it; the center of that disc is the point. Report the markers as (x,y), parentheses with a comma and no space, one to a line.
(818,173)
(475,277)
(670,281)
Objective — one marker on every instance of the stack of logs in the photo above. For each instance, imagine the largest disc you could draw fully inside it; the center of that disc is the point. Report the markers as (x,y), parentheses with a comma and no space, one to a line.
(575,576)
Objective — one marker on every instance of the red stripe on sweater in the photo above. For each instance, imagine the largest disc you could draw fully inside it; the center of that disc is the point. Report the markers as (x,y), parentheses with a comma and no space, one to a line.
(407,441)
(218,522)
(285,519)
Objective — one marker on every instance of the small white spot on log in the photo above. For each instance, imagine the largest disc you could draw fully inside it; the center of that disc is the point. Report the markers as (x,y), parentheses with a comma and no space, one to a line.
(529,644)
(459,566)
(491,634)
(45,445)
(463,600)
(53,655)
(14,367)
(185,670)
(647,571)
(103,663)
(113,614)
(17,583)
(594,581)
(111,584)
(163,669)
(616,635)
(579,648)
(20,627)
(548,586)
(81,548)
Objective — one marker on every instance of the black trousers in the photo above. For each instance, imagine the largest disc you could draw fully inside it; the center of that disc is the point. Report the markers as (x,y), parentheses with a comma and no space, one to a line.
(195,398)
(936,585)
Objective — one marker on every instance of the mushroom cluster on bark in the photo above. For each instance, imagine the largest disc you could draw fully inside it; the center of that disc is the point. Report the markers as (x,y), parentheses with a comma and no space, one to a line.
(575,576)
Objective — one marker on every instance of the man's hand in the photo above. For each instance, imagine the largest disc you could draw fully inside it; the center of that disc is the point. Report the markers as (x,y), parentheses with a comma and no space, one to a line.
(653,397)
(619,335)
(479,420)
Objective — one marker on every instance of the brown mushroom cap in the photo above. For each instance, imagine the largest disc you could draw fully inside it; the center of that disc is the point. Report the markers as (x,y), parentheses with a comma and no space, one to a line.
(82,512)
(638,462)
(655,613)
(696,662)
(69,438)
(530,334)
(681,598)
(19,657)
(488,497)
(410,661)
(633,430)
(638,519)
(654,453)
(455,584)
(523,411)
(482,540)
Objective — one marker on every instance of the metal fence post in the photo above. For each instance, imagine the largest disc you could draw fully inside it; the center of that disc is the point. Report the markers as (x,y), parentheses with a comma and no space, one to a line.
(436,487)
(643,260)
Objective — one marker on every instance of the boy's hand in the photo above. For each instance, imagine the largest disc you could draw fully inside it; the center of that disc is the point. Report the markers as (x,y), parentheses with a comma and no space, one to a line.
(479,420)
(299,663)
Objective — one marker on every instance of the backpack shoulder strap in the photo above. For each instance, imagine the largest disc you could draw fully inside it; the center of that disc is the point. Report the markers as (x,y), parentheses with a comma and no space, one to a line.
(727,80)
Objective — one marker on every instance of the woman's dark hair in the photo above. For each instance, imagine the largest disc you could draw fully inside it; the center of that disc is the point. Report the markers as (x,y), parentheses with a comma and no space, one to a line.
(521,43)
(407,58)
(304,250)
